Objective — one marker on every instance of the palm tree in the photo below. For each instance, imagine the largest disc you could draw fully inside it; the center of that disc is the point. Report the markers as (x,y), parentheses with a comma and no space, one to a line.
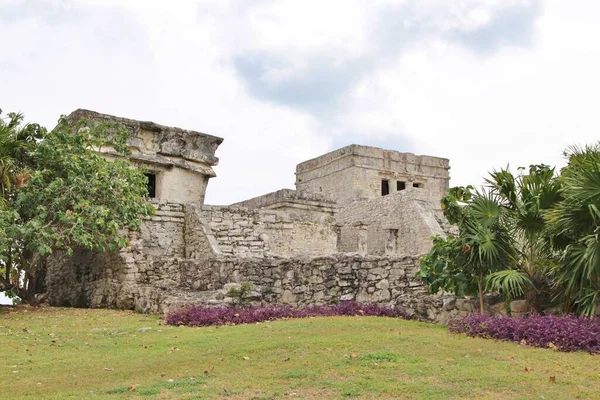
(575,222)
(16,142)
(527,199)
(483,245)
(487,242)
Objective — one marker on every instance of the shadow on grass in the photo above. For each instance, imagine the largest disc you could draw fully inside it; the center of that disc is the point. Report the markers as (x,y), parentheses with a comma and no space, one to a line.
(189,385)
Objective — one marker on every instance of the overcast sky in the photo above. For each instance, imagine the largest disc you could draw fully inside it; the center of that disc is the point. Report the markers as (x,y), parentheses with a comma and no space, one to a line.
(484,83)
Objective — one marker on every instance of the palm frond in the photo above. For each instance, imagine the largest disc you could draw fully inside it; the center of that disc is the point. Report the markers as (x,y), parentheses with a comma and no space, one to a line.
(509,282)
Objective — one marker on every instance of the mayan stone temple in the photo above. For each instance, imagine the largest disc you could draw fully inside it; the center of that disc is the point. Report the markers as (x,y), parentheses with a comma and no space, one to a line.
(353,229)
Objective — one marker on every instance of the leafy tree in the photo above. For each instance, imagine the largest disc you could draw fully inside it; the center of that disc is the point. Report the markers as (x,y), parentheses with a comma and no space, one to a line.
(461,263)
(527,199)
(575,222)
(73,197)
(442,268)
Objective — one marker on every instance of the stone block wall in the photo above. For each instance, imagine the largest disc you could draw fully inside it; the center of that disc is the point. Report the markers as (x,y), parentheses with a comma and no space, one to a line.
(238,231)
(163,233)
(299,205)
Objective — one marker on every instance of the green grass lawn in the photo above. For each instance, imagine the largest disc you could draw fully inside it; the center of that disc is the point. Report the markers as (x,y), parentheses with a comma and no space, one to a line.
(63,353)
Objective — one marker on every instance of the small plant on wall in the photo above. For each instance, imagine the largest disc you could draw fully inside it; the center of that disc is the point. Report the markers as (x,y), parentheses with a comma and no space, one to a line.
(240,293)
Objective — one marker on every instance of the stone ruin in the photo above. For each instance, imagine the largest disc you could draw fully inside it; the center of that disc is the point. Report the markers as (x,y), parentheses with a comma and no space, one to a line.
(354,229)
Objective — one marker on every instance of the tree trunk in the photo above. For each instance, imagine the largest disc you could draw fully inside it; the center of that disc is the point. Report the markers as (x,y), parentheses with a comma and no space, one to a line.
(8,266)
(567,304)
(31,286)
(27,291)
(481,301)
(529,300)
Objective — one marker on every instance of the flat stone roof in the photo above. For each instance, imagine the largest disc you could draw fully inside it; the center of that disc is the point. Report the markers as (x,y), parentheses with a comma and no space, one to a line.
(286,197)
(360,151)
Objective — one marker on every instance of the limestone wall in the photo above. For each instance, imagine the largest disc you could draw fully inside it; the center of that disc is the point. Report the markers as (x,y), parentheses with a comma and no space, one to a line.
(318,280)
(179,184)
(89,279)
(400,223)
(245,232)
(188,254)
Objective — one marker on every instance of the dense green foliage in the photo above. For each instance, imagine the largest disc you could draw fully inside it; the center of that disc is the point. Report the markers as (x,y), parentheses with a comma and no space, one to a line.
(67,196)
(461,263)
(16,143)
(534,236)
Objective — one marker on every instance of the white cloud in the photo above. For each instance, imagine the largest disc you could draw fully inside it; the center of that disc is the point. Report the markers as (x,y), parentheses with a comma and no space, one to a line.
(484,83)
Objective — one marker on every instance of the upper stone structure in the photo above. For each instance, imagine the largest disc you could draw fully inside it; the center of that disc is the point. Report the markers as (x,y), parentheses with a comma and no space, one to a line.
(179,161)
(362,172)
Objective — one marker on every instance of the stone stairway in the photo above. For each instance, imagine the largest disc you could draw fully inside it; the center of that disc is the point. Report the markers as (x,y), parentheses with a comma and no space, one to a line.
(182,298)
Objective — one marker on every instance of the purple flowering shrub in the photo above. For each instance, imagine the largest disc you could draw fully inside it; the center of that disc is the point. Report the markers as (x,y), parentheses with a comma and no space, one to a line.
(566,333)
(204,316)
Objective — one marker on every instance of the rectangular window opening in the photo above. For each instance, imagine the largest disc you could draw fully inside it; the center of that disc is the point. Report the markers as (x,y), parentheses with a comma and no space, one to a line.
(151,185)
(385,188)
(418,185)
(400,186)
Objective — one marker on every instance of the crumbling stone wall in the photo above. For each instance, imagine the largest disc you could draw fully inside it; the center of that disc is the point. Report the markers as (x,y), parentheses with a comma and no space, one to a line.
(112,279)
(238,231)
(298,205)
(308,281)
(152,285)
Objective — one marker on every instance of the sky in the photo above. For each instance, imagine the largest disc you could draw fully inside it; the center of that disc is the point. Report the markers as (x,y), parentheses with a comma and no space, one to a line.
(484,83)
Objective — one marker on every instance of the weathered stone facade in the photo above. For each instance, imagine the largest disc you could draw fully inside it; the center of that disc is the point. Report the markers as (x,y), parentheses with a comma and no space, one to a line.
(338,237)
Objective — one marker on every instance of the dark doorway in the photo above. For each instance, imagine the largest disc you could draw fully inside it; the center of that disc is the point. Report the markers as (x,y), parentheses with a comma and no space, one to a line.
(400,186)
(151,185)
(385,188)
